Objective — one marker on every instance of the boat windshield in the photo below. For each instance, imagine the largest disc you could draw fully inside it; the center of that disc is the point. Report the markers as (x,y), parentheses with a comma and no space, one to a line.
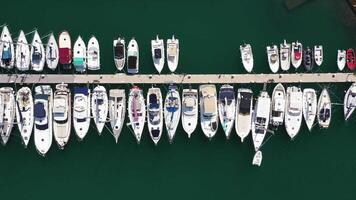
(42,126)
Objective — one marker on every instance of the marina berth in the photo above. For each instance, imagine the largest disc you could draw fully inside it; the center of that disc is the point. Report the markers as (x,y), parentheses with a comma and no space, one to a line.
(52,53)
(244,110)
(172,53)
(350,101)
(297,54)
(22,53)
(155,114)
(172,111)
(132,57)
(208,110)
(273,58)
(136,112)
(285,54)
(119,53)
(81,111)
(80,55)
(294,111)
(227,108)
(65,50)
(24,113)
(260,119)
(341,59)
(189,110)
(99,107)
(324,109)
(247,57)
(7,113)
(309,106)
(37,53)
(117,111)
(93,54)
(7,50)
(158,57)
(278,106)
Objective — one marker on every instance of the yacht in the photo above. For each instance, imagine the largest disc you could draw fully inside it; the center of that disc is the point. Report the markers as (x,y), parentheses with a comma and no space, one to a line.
(137,111)
(284,51)
(350,101)
(81,111)
(80,55)
(99,107)
(155,114)
(24,113)
(247,57)
(350,59)
(341,59)
(208,110)
(318,54)
(243,112)
(309,106)
(273,58)
(119,53)
(157,48)
(65,50)
(189,110)
(37,53)
(132,57)
(308,59)
(324,109)
(227,108)
(294,111)
(172,110)
(52,53)
(93,54)
(7,49)
(297,54)
(278,106)
(172,53)
(22,53)
(7,112)
(117,111)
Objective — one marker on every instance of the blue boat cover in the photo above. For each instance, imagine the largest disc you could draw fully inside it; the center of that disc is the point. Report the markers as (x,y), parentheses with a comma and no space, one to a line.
(6,54)
(81,90)
(153,101)
(40,112)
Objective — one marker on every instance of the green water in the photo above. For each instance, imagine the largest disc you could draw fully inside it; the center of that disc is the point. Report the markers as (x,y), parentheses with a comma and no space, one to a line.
(318,165)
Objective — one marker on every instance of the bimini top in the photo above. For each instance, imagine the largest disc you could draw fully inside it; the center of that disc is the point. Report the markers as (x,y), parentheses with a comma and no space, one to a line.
(119,50)
(153,102)
(132,60)
(227,93)
(158,53)
(245,102)
(81,90)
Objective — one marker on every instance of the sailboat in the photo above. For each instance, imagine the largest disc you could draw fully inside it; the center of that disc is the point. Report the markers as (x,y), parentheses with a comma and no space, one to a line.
(350,101)
(99,107)
(308,59)
(189,110)
(65,50)
(318,54)
(172,53)
(284,51)
(297,54)
(117,111)
(273,58)
(137,111)
(7,51)
(93,54)
(80,55)
(52,53)
(243,112)
(157,48)
(22,53)
(155,114)
(132,57)
(309,106)
(278,106)
(294,111)
(7,112)
(227,108)
(119,53)
(37,53)
(247,57)
(208,110)
(324,109)
(81,111)
(350,59)
(172,110)
(24,113)
(341,59)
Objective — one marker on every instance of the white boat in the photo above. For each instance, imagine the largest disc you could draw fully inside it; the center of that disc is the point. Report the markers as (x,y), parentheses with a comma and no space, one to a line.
(273,58)
(80,55)
(294,111)
(24,113)
(99,107)
(132,57)
(260,119)
(62,114)
(65,50)
(247,57)
(297,54)
(7,112)
(7,50)
(278,106)
(137,111)
(243,112)
(119,53)
(93,54)
(318,54)
(22,53)
(257,158)
(52,53)
(350,101)
(208,110)
(81,111)
(37,53)
(43,118)
(284,51)
(341,59)
(155,114)
(189,110)
(117,111)
(324,109)
(157,48)
(172,110)
(172,53)
(309,106)
(227,108)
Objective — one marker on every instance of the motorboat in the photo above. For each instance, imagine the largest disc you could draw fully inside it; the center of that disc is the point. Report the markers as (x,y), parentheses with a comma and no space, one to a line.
(81,111)
(309,106)
(308,59)
(65,50)
(80,55)
(137,111)
(285,53)
(227,108)
(297,54)
(22,53)
(117,111)
(244,112)
(132,57)
(93,54)
(189,110)
(7,112)
(350,101)
(99,107)
(278,106)
(273,58)
(257,158)
(52,53)
(350,59)
(172,111)
(341,59)
(37,53)
(324,109)
(294,111)
(247,57)
(208,110)
(172,53)
(7,50)
(24,113)
(119,53)
(155,114)
(318,54)
(157,48)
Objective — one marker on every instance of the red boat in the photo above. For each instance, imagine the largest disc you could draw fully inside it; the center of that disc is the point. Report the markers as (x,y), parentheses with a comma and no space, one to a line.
(65,50)
(350,55)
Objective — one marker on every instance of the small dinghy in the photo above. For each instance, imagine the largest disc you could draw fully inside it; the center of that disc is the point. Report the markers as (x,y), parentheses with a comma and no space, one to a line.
(294,111)
(99,107)
(172,110)
(189,110)
(7,113)
(43,118)
(155,114)
(227,108)
(79,55)
(93,54)
(37,53)
(65,50)
(22,53)
(278,106)
(132,57)
(257,158)
(208,110)
(247,57)
(52,53)
(308,60)
(62,114)
(324,109)
(341,59)
(273,58)
(119,53)
(7,50)
(284,51)
(297,54)
(137,112)
(350,101)
(81,111)
(243,112)
(172,53)
(318,54)
(24,113)
(117,111)
(309,106)
(157,48)
(350,59)
(260,119)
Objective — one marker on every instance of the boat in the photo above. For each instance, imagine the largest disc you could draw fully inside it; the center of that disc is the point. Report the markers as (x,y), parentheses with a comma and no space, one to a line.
(7,50)
(137,111)
(309,106)
(7,112)
(117,111)
(350,59)
(273,58)
(62,114)
(284,52)
(132,57)
(189,110)
(278,106)
(172,53)
(81,111)
(24,113)
(93,54)
(308,60)
(350,101)
(157,48)
(99,107)
(119,53)
(208,110)
(257,158)
(155,114)
(243,112)
(260,119)
(43,118)
(324,109)
(297,54)
(294,111)
(37,53)
(247,57)
(80,55)
(22,53)
(227,108)
(172,110)
(65,50)
(318,54)
(341,59)
(52,53)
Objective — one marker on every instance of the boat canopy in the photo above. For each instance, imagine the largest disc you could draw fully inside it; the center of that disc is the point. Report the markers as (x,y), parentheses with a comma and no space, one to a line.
(132,62)
(245,103)
(227,94)
(209,108)
(119,50)
(6,54)
(155,132)
(172,49)
(172,104)
(65,55)
(158,53)
(324,114)
(81,90)
(189,102)
(153,102)
(40,111)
